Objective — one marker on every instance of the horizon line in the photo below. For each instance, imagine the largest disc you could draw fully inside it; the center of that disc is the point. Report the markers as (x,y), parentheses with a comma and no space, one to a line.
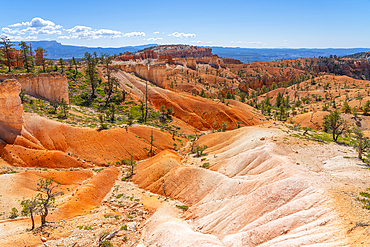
(210,46)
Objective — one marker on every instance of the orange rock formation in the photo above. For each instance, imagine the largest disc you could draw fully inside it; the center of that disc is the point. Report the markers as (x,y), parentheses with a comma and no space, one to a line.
(15,58)
(11,110)
(51,86)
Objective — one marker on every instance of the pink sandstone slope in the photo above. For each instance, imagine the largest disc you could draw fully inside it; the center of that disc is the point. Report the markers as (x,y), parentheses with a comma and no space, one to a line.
(253,195)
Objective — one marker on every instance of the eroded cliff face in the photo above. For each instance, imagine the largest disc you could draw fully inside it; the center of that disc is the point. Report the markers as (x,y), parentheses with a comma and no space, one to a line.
(11,109)
(52,86)
(137,56)
(154,74)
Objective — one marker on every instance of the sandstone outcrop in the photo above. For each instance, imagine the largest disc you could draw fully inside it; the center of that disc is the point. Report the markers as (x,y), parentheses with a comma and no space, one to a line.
(191,63)
(51,86)
(11,110)
(15,58)
(138,55)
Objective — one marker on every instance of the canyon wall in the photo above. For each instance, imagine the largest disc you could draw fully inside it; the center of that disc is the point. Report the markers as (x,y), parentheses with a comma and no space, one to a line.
(51,86)
(217,61)
(11,109)
(263,80)
(154,74)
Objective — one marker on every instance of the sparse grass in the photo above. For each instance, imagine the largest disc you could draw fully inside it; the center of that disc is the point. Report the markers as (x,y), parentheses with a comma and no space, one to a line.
(183,207)
(205,165)
(365,199)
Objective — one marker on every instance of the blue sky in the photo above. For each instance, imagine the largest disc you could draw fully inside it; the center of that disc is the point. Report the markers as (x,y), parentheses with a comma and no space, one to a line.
(254,24)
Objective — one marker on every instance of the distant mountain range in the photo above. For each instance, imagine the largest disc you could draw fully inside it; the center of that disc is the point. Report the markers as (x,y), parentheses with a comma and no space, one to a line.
(56,50)
(261,55)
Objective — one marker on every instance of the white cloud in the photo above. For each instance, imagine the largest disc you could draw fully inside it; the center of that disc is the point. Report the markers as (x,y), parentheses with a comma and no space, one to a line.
(35,27)
(83,32)
(19,24)
(182,35)
(49,32)
(255,42)
(154,39)
(8,30)
(38,22)
(64,37)
(197,42)
(31,30)
(156,32)
(246,42)
(38,26)
(20,38)
(134,34)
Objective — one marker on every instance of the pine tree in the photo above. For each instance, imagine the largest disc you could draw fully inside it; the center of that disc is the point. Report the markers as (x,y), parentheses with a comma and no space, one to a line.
(346,108)
(279,97)
(7,45)
(26,56)
(366,108)
(91,73)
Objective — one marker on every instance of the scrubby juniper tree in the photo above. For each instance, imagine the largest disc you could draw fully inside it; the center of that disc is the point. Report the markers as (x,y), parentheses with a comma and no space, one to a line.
(29,208)
(46,199)
(336,124)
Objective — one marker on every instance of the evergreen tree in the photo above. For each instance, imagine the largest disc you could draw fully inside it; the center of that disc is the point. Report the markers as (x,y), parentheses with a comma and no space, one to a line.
(61,63)
(279,98)
(7,45)
(64,108)
(242,97)
(75,63)
(26,56)
(360,142)
(228,95)
(346,108)
(30,207)
(91,73)
(366,108)
(46,199)
(286,102)
(111,81)
(202,93)
(281,112)
(267,101)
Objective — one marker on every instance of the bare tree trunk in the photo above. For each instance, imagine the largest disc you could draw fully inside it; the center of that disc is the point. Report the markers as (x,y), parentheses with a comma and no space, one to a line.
(33,221)
(360,149)
(146,101)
